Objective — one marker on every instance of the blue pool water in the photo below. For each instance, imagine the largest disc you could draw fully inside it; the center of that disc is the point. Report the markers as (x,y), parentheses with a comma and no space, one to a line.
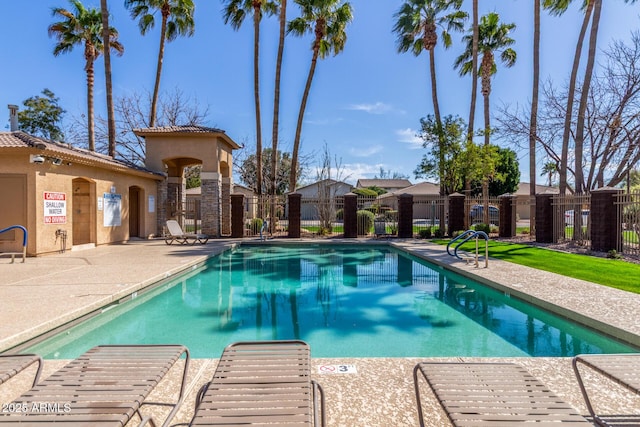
(345,301)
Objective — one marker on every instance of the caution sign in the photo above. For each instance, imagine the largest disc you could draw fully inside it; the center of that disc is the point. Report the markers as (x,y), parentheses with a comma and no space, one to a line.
(337,369)
(55,208)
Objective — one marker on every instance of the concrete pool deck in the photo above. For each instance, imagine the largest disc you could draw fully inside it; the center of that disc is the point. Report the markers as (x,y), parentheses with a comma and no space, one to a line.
(50,291)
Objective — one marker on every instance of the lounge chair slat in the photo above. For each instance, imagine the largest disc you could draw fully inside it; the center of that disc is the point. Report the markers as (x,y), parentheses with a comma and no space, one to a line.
(12,364)
(490,394)
(623,369)
(105,386)
(257,383)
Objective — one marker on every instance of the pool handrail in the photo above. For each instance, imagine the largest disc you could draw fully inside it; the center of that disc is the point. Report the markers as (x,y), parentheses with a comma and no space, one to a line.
(458,237)
(466,236)
(24,241)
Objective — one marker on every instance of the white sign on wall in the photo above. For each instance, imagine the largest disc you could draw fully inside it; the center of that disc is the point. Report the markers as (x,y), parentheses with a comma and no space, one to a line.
(152,204)
(55,208)
(112,209)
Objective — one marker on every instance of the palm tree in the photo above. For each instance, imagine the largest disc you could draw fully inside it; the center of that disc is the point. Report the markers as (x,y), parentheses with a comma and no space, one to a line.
(533,125)
(416,28)
(83,27)
(558,7)
(276,108)
(474,72)
(111,122)
(177,20)
(234,12)
(493,37)
(549,170)
(327,19)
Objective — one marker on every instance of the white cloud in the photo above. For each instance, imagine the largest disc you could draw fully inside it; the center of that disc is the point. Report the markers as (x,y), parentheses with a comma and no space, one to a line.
(365,152)
(377,108)
(410,137)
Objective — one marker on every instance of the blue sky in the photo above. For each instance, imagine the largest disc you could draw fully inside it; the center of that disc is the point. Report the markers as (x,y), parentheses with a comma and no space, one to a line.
(365,104)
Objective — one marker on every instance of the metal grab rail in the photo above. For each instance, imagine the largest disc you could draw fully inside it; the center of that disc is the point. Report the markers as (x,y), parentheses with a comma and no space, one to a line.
(24,241)
(460,236)
(466,236)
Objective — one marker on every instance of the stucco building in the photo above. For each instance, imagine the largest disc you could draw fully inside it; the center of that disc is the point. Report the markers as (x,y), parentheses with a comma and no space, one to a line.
(71,198)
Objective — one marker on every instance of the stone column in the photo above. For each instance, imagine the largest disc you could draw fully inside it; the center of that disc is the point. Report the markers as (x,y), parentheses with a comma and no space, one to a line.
(211,209)
(237,215)
(507,219)
(405,216)
(544,218)
(350,216)
(225,205)
(295,212)
(161,206)
(606,233)
(456,213)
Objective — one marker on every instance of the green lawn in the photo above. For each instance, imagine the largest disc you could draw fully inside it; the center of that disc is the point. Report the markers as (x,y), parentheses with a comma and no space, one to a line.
(609,272)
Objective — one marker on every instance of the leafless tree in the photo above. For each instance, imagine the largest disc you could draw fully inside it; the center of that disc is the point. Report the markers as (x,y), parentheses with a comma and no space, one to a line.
(612,120)
(132,112)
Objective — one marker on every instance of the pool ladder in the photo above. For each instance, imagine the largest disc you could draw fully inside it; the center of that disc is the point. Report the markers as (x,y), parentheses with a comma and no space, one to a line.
(466,236)
(24,242)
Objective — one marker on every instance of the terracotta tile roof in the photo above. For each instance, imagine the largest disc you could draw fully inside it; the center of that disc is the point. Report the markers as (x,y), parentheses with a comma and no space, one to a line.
(18,139)
(179,129)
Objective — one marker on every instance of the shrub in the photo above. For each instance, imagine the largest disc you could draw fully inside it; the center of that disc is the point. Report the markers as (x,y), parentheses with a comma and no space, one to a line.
(365,222)
(438,233)
(457,233)
(425,234)
(483,227)
(340,214)
(613,254)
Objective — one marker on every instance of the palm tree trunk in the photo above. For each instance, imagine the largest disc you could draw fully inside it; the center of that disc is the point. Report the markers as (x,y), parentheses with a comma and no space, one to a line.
(111,122)
(593,38)
(156,86)
(487,141)
(436,112)
(474,72)
(256,95)
(533,126)
(90,123)
(303,106)
(564,156)
(276,96)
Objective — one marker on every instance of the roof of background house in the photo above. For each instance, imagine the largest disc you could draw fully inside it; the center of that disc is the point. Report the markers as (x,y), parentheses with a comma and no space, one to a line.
(68,153)
(330,181)
(419,189)
(383,183)
(524,187)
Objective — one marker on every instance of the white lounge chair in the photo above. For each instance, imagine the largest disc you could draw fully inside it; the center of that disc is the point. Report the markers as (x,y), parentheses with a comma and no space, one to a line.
(177,235)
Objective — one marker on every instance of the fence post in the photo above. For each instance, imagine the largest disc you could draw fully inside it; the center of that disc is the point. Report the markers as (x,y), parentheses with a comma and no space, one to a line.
(237,215)
(295,212)
(456,213)
(405,216)
(606,233)
(544,218)
(350,215)
(507,226)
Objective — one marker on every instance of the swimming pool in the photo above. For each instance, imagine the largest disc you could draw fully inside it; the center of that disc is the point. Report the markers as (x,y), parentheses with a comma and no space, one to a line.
(345,301)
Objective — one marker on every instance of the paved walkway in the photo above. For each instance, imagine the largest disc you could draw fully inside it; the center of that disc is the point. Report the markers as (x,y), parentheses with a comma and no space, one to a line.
(47,292)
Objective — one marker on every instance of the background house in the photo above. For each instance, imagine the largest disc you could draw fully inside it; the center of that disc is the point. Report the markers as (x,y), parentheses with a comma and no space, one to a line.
(314,194)
(388,185)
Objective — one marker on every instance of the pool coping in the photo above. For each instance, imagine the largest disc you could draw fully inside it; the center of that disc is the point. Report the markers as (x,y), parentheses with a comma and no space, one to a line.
(541,288)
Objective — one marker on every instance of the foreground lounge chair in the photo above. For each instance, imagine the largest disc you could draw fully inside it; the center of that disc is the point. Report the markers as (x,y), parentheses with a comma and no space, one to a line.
(106,386)
(12,364)
(623,369)
(259,383)
(177,235)
(493,394)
